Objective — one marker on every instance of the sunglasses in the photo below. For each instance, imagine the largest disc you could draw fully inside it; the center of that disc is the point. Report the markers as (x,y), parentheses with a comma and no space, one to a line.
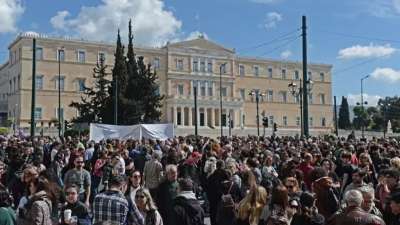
(70,193)
(136,176)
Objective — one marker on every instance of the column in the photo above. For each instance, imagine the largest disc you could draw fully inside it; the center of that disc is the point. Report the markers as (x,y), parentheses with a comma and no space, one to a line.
(191,88)
(176,116)
(205,117)
(190,114)
(206,88)
(241,118)
(169,119)
(213,89)
(233,90)
(212,117)
(169,87)
(182,116)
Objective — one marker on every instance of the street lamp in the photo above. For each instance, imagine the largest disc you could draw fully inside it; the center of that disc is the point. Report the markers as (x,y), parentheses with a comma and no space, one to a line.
(297,92)
(362,105)
(257,94)
(59,90)
(384,108)
(221,69)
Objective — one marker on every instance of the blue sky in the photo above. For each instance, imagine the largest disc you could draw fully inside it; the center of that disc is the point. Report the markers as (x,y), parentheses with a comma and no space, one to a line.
(357,37)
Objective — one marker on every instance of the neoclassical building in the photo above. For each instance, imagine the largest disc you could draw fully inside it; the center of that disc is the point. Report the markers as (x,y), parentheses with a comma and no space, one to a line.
(181,67)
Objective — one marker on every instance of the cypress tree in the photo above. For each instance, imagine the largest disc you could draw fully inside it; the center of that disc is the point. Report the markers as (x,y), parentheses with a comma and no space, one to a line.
(344,115)
(92,107)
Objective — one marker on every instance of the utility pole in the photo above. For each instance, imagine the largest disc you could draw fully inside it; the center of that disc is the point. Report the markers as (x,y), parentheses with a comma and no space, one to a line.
(59,94)
(195,113)
(305,78)
(33,88)
(220,96)
(335,116)
(362,106)
(230,124)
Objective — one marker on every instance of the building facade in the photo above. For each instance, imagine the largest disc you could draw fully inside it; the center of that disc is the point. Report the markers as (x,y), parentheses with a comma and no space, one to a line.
(181,67)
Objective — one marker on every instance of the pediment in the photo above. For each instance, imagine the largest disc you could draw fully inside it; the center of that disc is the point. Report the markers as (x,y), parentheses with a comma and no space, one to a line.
(202,44)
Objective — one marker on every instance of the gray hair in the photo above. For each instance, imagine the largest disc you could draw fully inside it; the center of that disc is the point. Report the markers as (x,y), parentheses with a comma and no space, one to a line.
(171,167)
(353,198)
(367,189)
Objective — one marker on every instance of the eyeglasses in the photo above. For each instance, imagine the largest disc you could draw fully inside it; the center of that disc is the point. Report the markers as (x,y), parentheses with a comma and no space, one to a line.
(80,162)
(136,176)
(140,196)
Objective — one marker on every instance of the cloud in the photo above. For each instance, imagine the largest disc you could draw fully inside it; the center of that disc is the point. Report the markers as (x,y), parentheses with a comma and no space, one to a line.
(265,1)
(272,19)
(383,8)
(10,12)
(286,54)
(196,34)
(372,100)
(153,24)
(370,51)
(396,4)
(58,21)
(386,74)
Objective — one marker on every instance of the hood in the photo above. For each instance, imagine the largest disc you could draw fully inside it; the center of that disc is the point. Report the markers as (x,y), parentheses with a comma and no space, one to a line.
(191,206)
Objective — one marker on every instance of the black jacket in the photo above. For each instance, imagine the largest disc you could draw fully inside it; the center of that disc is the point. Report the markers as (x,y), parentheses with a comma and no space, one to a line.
(187,211)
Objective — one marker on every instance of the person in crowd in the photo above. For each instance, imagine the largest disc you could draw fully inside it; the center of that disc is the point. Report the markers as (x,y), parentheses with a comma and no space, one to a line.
(134,184)
(7,214)
(329,166)
(306,168)
(89,152)
(79,214)
(395,209)
(97,173)
(368,204)
(38,209)
(365,164)
(111,206)
(278,209)
(353,214)
(147,207)
(357,176)
(186,208)
(167,191)
(214,189)
(292,186)
(251,207)
(308,212)
(80,177)
(152,173)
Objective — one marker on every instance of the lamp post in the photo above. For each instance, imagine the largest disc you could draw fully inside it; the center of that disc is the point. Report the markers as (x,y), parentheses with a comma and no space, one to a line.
(257,95)
(59,91)
(362,105)
(221,67)
(384,108)
(297,92)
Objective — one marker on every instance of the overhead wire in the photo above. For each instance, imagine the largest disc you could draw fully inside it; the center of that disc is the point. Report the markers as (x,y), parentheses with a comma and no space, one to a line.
(280,46)
(357,36)
(280,38)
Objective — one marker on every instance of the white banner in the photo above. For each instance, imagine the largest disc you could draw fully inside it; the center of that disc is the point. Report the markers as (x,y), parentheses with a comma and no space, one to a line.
(99,131)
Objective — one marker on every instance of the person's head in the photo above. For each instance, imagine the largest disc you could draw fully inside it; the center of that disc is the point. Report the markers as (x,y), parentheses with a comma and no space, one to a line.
(118,182)
(395,203)
(308,158)
(6,199)
(280,196)
(291,184)
(327,165)
(79,162)
(368,194)
(135,178)
(353,198)
(365,159)
(346,157)
(395,163)
(30,173)
(72,193)
(143,200)
(185,184)
(392,177)
(172,172)
(307,200)
(358,176)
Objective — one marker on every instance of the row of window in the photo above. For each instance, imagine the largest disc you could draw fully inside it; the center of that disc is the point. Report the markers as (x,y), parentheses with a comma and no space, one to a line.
(283,73)
(285,122)
(205,88)
(80,83)
(283,96)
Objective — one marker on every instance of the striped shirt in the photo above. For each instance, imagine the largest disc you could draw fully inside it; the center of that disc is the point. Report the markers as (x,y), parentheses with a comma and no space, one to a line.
(110,206)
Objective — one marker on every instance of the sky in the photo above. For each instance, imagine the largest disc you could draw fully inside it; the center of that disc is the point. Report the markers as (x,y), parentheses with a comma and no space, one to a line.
(357,37)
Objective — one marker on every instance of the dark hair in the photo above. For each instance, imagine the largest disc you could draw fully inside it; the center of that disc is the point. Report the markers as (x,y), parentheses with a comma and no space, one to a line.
(117,181)
(185,184)
(72,186)
(43,184)
(6,199)
(280,196)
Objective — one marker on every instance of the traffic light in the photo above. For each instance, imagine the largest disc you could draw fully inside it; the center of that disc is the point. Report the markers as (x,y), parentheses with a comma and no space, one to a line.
(275,127)
(265,121)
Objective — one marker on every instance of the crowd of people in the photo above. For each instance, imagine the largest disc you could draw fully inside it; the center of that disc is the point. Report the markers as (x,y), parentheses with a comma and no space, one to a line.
(181,181)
